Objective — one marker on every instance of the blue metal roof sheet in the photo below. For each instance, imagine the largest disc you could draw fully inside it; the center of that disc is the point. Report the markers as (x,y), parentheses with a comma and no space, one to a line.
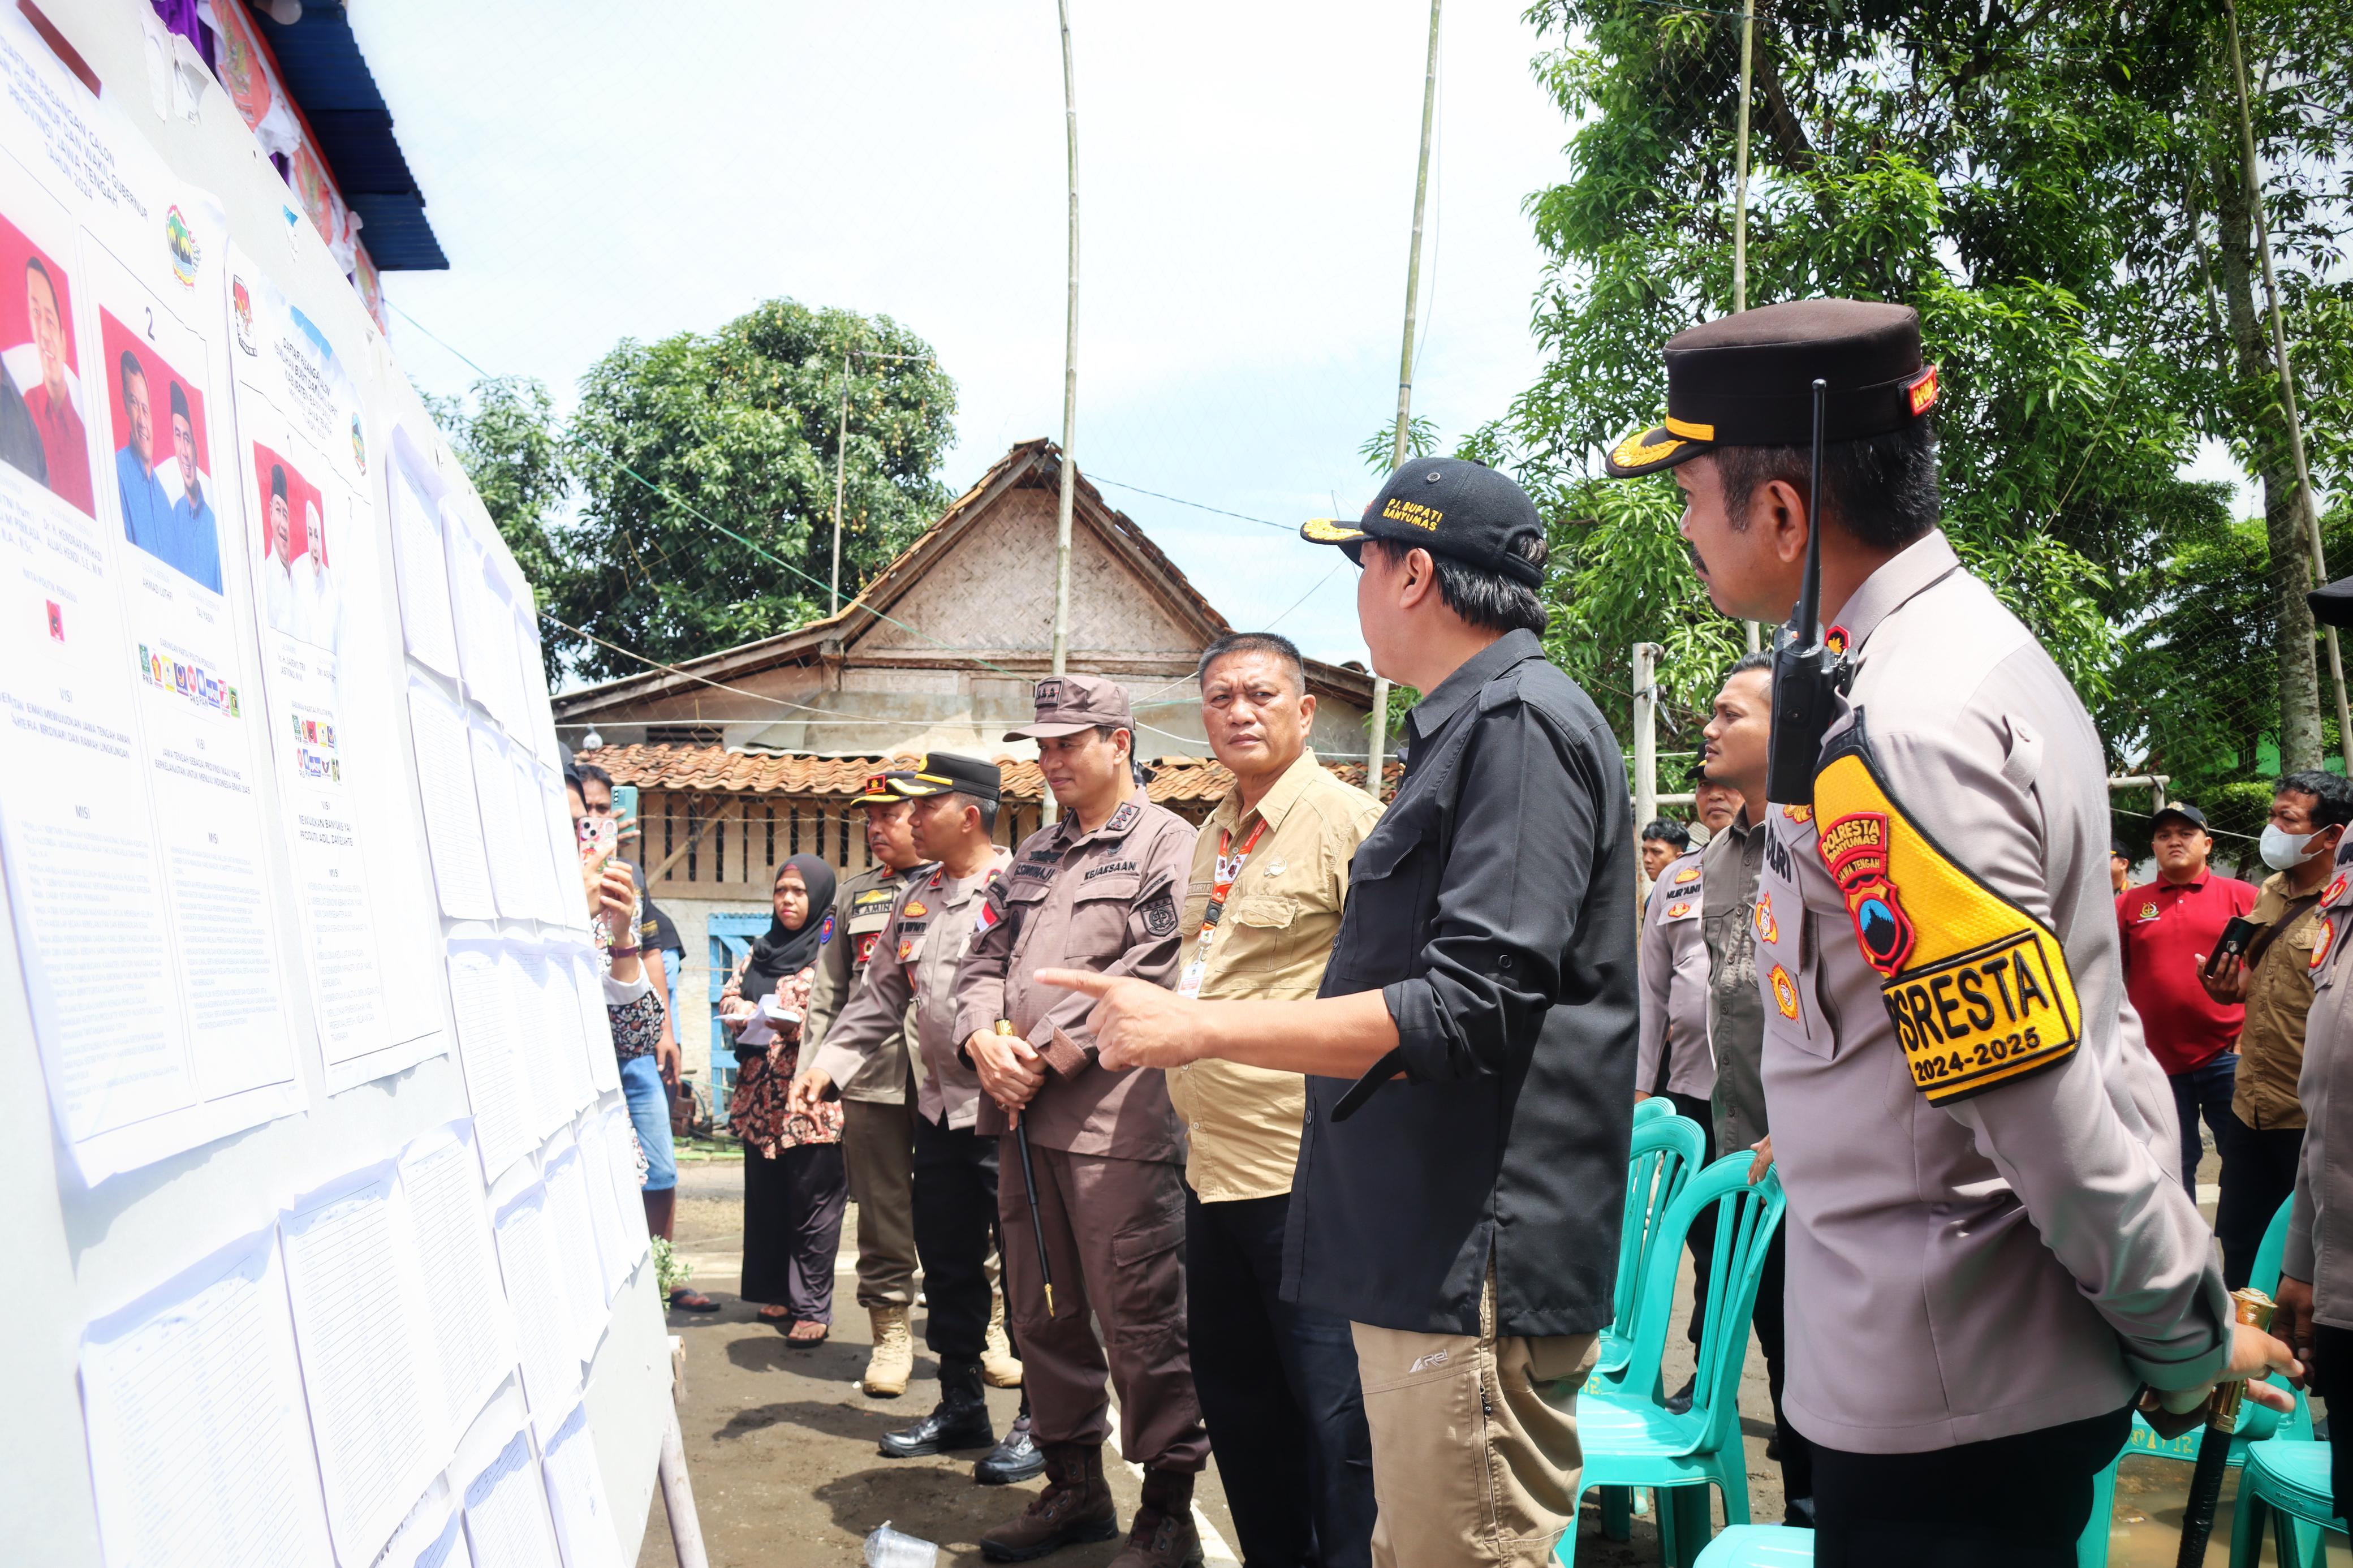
(320,61)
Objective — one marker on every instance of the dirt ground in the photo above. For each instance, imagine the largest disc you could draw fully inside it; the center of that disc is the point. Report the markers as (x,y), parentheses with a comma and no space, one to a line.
(780,1443)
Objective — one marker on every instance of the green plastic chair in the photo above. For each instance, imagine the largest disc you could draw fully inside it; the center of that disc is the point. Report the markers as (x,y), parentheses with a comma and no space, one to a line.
(1629,1437)
(2255,1423)
(1665,1150)
(2285,1485)
(1785,1546)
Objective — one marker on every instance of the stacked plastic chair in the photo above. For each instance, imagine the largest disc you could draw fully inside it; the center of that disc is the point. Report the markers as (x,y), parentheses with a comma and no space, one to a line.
(1629,1436)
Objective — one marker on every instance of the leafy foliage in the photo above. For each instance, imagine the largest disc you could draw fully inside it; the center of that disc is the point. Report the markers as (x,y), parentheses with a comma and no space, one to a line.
(2040,181)
(1379,449)
(740,426)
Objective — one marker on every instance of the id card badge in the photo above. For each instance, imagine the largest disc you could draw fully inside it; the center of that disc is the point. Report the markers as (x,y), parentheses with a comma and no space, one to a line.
(1189,982)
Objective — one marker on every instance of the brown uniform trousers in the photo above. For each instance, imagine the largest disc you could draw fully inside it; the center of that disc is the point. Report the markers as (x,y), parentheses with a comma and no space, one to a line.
(1103,1145)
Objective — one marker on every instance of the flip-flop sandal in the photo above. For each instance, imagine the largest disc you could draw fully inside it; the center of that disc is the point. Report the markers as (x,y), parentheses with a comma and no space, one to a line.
(783,1321)
(691,1301)
(808,1341)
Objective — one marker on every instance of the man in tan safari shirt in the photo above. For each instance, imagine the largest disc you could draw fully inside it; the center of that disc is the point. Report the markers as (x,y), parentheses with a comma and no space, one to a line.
(1277,1381)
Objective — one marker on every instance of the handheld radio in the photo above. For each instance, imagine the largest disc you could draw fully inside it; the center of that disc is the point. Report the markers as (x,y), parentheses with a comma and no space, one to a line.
(1808,674)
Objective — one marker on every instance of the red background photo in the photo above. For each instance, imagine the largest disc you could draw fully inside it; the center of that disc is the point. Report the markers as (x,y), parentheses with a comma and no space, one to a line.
(16,325)
(113,338)
(301,496)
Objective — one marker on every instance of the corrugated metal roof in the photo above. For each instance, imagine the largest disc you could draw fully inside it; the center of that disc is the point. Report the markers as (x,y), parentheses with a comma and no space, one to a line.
(716,769)
(320,61)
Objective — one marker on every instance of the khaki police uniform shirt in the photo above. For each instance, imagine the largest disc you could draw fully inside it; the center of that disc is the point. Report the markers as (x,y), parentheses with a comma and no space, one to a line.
(1105,900)
(2320,1226)
(1673,961)
(2279,1002)
(911,975)
(1731,922)
(2016,1251)
(1270,945)
(860,909)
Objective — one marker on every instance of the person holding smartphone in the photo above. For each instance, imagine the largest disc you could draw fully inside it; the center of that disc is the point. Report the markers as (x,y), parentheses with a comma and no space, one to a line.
(2167,929)
(2272,978)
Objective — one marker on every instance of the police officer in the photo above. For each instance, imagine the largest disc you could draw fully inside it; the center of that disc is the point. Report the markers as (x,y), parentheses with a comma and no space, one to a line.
(948,806)
(1987,1256)
(1100,890)
(1462,1170)
(877,1138)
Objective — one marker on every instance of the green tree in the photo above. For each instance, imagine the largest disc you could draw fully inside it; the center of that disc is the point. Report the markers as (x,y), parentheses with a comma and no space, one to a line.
(2002,168)
(738,428)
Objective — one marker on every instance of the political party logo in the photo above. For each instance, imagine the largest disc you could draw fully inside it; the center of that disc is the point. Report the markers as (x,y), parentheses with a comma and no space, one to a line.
(181,241)
(1785,993)
(1768,930)
(241,304)
(825,932)
(359,446)
(57,621)
(197,684)
(1854,848)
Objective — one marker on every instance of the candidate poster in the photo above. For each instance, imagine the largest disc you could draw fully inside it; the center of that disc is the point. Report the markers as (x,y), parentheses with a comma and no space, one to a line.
(310,546)
(128,814)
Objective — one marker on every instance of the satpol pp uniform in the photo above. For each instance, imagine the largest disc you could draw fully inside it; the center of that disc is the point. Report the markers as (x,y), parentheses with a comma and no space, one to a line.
(1104,1146)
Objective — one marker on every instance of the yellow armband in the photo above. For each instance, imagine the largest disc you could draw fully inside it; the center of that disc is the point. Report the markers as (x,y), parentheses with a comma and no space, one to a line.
(1978,989)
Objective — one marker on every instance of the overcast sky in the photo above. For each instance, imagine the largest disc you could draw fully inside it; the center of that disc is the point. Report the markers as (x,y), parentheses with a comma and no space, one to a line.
(597,171)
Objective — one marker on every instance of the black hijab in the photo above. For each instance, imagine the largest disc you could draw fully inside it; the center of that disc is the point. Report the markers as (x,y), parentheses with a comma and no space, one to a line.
(784,953)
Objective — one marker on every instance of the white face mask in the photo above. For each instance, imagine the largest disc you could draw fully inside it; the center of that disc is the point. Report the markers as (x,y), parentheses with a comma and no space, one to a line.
(2283,850)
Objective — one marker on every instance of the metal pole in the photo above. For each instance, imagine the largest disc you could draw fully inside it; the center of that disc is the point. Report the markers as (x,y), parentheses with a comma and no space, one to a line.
(840,456)
(1069,382)
(1378,730)
(677,1495)
(1740,208)
(1646,732)
(2287,380)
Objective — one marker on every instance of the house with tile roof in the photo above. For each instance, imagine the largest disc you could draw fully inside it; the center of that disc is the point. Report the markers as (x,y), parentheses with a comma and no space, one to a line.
(751,755)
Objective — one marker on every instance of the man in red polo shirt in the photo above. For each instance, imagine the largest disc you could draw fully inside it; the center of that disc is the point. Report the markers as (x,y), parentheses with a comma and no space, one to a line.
(2168,926)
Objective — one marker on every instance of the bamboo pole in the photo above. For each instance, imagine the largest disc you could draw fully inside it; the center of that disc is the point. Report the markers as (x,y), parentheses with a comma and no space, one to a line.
(2287,380)
(1069,378)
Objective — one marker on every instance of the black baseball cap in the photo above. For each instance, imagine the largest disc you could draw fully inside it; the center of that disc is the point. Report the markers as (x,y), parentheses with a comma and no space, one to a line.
(1747,380)
(1449,506)
(2333,606)
(944,773)
(2182,809)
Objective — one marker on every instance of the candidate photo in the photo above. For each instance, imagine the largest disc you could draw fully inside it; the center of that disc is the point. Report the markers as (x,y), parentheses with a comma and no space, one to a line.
(42,433)
(159,473)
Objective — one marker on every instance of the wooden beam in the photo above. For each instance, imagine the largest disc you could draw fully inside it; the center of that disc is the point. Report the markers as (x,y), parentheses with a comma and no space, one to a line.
(732,803)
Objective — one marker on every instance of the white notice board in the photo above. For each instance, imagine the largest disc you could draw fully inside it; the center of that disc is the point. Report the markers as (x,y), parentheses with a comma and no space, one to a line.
(244,1144)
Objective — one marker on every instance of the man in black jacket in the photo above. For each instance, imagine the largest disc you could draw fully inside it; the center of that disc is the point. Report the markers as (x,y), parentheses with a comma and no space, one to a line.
(1472,1054)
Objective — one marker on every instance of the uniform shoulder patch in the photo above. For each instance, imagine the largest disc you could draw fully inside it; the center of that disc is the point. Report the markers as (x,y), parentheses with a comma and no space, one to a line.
(1768,930)
(1160,913)
(825,932)
(1123,818)
(1978,989)
(1681,909)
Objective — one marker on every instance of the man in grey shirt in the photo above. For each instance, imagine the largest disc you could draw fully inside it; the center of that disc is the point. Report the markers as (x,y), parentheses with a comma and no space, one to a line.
(1991,1253)
(1733,917)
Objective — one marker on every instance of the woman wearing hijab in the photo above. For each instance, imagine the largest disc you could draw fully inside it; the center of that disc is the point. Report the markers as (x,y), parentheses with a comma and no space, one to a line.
(794,1182)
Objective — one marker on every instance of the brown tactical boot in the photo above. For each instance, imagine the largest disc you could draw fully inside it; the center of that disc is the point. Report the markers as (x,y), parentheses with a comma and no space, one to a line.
(1163,1535)
(1075,1507)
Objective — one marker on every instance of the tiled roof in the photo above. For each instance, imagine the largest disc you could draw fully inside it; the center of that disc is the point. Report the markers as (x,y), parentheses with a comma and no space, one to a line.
(716,770)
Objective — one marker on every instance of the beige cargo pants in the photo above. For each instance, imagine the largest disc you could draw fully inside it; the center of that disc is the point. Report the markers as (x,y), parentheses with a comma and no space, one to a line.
(1474,1442)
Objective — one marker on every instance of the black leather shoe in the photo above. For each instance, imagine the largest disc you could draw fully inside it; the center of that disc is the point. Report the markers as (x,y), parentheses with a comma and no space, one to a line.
(960,1420)
(1680,1400)
(1015,1460)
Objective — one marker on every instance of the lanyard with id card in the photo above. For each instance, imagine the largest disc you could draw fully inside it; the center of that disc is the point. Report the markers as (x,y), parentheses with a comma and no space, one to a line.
(1229,869)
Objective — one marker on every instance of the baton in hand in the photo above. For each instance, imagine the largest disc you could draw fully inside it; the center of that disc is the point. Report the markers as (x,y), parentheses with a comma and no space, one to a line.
(1029,1186)
(2253,1308)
